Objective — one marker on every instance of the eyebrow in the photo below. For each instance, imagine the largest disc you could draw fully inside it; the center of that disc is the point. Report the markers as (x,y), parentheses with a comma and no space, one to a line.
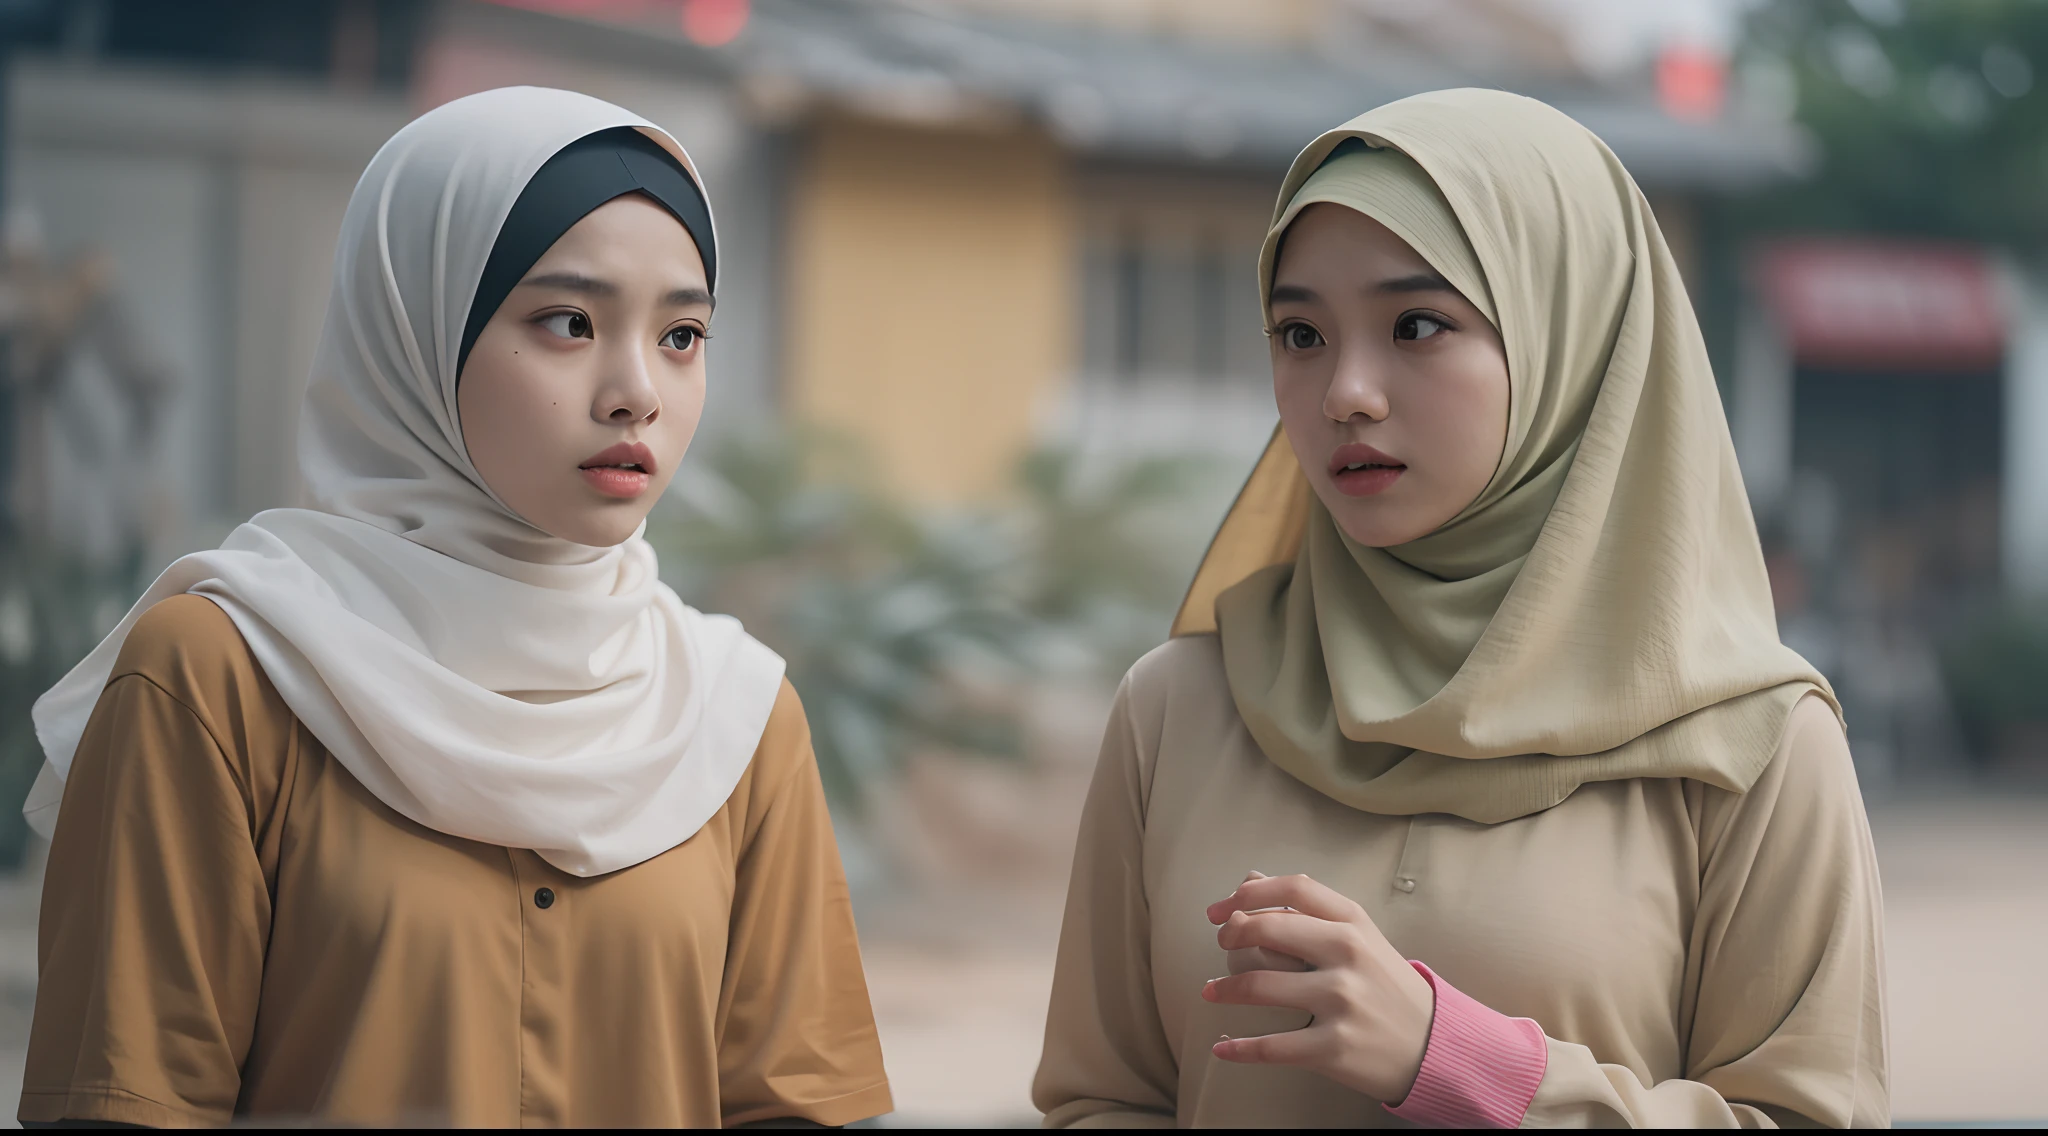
(572,282)
(1415,282)
(592,286)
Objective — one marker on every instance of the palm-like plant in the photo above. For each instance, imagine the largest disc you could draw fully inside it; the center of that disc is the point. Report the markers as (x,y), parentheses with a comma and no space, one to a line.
(1110,548)
(896,627)
(913,631)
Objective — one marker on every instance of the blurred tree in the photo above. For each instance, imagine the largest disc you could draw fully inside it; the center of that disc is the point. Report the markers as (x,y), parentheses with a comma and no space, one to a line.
(1930,116)
(54,608)
(884,617)
(1997,675)
(911,631)
(1109,551)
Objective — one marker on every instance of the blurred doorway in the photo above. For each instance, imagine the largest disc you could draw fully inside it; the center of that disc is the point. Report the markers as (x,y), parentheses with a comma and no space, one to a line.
(1876,420)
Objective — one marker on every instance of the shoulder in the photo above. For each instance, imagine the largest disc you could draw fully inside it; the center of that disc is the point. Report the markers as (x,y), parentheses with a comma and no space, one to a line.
(786,739)
(185,666)
(174,624)
(187,648)
(190,648)
(782,778)
(1180,673)
(782,758)
(1813,754)
(1174,711)
(1807,793)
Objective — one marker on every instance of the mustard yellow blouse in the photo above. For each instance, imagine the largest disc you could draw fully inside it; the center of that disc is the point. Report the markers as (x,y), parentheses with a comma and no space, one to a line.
(233,927)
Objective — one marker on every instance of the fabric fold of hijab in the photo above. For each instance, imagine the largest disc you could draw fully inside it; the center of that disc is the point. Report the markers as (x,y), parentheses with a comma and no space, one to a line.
(1600,611)
(479,676)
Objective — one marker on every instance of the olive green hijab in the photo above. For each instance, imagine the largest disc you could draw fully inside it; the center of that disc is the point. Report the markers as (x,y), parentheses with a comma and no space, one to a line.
(1600,611)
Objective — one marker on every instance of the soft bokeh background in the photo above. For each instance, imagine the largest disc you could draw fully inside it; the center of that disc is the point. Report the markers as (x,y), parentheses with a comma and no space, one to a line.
(988,367)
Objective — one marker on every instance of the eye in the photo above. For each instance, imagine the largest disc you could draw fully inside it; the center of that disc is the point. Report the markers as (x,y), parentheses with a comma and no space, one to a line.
(1418,325)
(682,338)
(567,325)
(1298,336)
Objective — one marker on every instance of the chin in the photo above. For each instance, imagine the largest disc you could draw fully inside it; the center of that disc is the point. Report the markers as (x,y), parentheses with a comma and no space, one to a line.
(1373,537)
(602,528)
(609,539)
(1376,526)
(610,535)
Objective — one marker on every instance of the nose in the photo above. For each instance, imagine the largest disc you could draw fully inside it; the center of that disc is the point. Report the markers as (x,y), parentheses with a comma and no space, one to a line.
(1356,388)
(627,394)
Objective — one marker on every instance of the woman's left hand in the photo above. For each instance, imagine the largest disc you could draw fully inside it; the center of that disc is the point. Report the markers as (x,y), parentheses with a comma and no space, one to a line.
(1371,1010)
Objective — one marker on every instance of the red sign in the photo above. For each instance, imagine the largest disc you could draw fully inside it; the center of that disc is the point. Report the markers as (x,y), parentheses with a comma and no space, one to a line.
(1692,82)
(1884,305)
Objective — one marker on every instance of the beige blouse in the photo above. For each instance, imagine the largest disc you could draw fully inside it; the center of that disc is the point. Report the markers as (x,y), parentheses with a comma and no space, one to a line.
(1697,958)
(232,926)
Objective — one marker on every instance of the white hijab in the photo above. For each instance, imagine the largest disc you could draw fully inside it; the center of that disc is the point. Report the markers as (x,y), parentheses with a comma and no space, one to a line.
(479,676)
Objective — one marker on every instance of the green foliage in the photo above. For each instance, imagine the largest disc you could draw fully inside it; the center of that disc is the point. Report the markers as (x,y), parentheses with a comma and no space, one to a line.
(909,630)
(1931,116)
(1108,552)
(54,608)
(1997,675)
(866,602)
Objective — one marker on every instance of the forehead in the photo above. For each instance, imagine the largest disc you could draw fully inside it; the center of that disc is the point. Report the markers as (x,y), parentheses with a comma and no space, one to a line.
(628,232)
(1326,238)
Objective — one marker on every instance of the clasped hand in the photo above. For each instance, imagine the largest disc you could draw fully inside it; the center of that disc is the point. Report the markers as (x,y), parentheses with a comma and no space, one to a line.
(1370,1010)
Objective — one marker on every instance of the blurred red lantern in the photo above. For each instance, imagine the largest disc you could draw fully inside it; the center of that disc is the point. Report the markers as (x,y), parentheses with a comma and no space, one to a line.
(1692,81)
(714,23)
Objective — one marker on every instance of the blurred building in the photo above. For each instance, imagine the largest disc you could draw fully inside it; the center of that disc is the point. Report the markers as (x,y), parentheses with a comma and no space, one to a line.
(952,228)
(206,152)
(1889,403)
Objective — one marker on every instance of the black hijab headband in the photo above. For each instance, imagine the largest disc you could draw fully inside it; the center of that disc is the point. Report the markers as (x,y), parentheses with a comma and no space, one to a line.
(581,176)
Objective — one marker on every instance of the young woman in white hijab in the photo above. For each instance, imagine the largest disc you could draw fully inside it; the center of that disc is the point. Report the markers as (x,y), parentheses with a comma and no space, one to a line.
(429,803)
(1475,788)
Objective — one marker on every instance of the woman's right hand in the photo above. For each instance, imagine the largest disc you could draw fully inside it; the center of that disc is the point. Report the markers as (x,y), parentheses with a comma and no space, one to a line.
(1371,1011)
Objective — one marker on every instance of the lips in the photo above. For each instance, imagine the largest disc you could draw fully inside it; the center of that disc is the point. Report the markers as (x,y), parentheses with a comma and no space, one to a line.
(624,455)
(1359,470)
(621,470)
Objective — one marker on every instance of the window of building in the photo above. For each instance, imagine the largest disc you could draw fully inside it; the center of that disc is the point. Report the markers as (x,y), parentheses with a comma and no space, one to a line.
(1170,289)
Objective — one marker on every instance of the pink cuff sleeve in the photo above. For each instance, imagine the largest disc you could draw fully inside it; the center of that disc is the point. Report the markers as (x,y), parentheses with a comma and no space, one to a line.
(1481,1067)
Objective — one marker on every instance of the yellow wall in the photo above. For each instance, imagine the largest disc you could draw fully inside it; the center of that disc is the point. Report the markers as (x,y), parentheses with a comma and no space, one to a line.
(931,297)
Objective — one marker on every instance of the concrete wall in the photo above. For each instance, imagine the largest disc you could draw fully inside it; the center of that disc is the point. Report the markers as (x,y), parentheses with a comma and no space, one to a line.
(2024,524)
(217,202)
(929,302)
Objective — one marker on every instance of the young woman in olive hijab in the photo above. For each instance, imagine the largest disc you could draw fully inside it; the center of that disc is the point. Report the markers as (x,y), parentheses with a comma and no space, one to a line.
(1476,737)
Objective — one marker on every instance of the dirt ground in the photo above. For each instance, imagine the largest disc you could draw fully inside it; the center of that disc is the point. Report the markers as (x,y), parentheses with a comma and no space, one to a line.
(960,968)
(1966,939)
